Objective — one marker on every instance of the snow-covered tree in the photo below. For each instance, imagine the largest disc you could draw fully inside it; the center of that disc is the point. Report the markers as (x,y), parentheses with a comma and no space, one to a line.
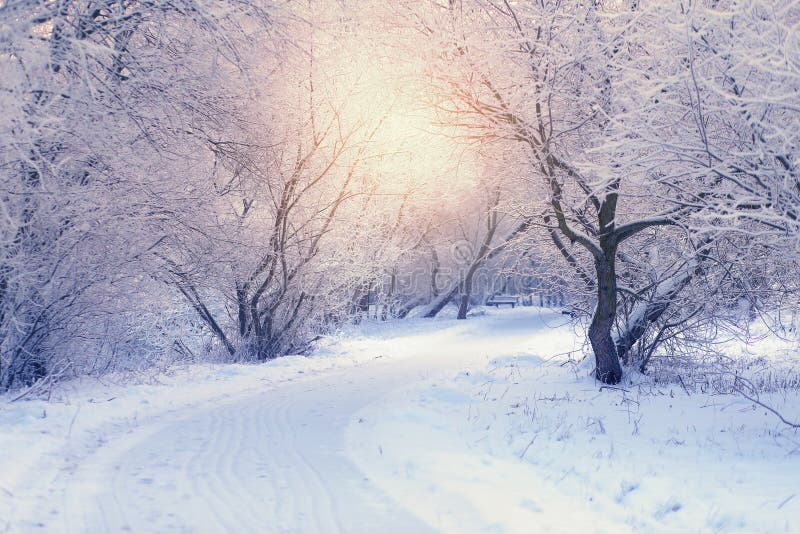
(104,105)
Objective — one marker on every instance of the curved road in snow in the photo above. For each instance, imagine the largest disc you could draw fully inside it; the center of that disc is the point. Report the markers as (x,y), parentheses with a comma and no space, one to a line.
(268,462)
(437,435)
(263,460)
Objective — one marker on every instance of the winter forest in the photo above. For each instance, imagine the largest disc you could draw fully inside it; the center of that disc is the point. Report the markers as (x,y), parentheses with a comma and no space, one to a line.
(543,255)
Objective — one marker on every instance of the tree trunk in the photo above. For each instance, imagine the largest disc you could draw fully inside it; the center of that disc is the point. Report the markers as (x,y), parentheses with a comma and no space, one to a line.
(403,311)
(442,301)
(648,312)
(463,306)
(241,305)
(608,369)
(434,273)
(467,291)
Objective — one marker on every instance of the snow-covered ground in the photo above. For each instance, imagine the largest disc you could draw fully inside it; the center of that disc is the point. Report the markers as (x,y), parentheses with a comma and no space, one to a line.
(485,425)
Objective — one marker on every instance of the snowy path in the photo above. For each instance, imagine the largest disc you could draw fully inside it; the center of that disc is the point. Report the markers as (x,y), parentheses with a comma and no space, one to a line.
(452,426)
(273,462)
(279,460)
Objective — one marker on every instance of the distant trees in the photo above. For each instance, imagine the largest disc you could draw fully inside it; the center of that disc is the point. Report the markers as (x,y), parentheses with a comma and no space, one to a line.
(266,263)
(266,249)
(484,226)
(182,178)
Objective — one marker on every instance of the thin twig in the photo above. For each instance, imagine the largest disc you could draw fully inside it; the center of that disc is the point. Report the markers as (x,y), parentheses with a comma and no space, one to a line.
(72,423)
(522,454)
(614,388)
(766,407)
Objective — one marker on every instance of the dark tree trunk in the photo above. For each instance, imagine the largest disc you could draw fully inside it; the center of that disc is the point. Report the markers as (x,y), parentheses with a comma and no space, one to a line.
(434,273)
(466,291)
(241,304)
(463,306)
(608,369)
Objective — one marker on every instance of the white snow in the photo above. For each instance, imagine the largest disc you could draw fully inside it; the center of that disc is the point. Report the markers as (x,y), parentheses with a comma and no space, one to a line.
(484,425)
